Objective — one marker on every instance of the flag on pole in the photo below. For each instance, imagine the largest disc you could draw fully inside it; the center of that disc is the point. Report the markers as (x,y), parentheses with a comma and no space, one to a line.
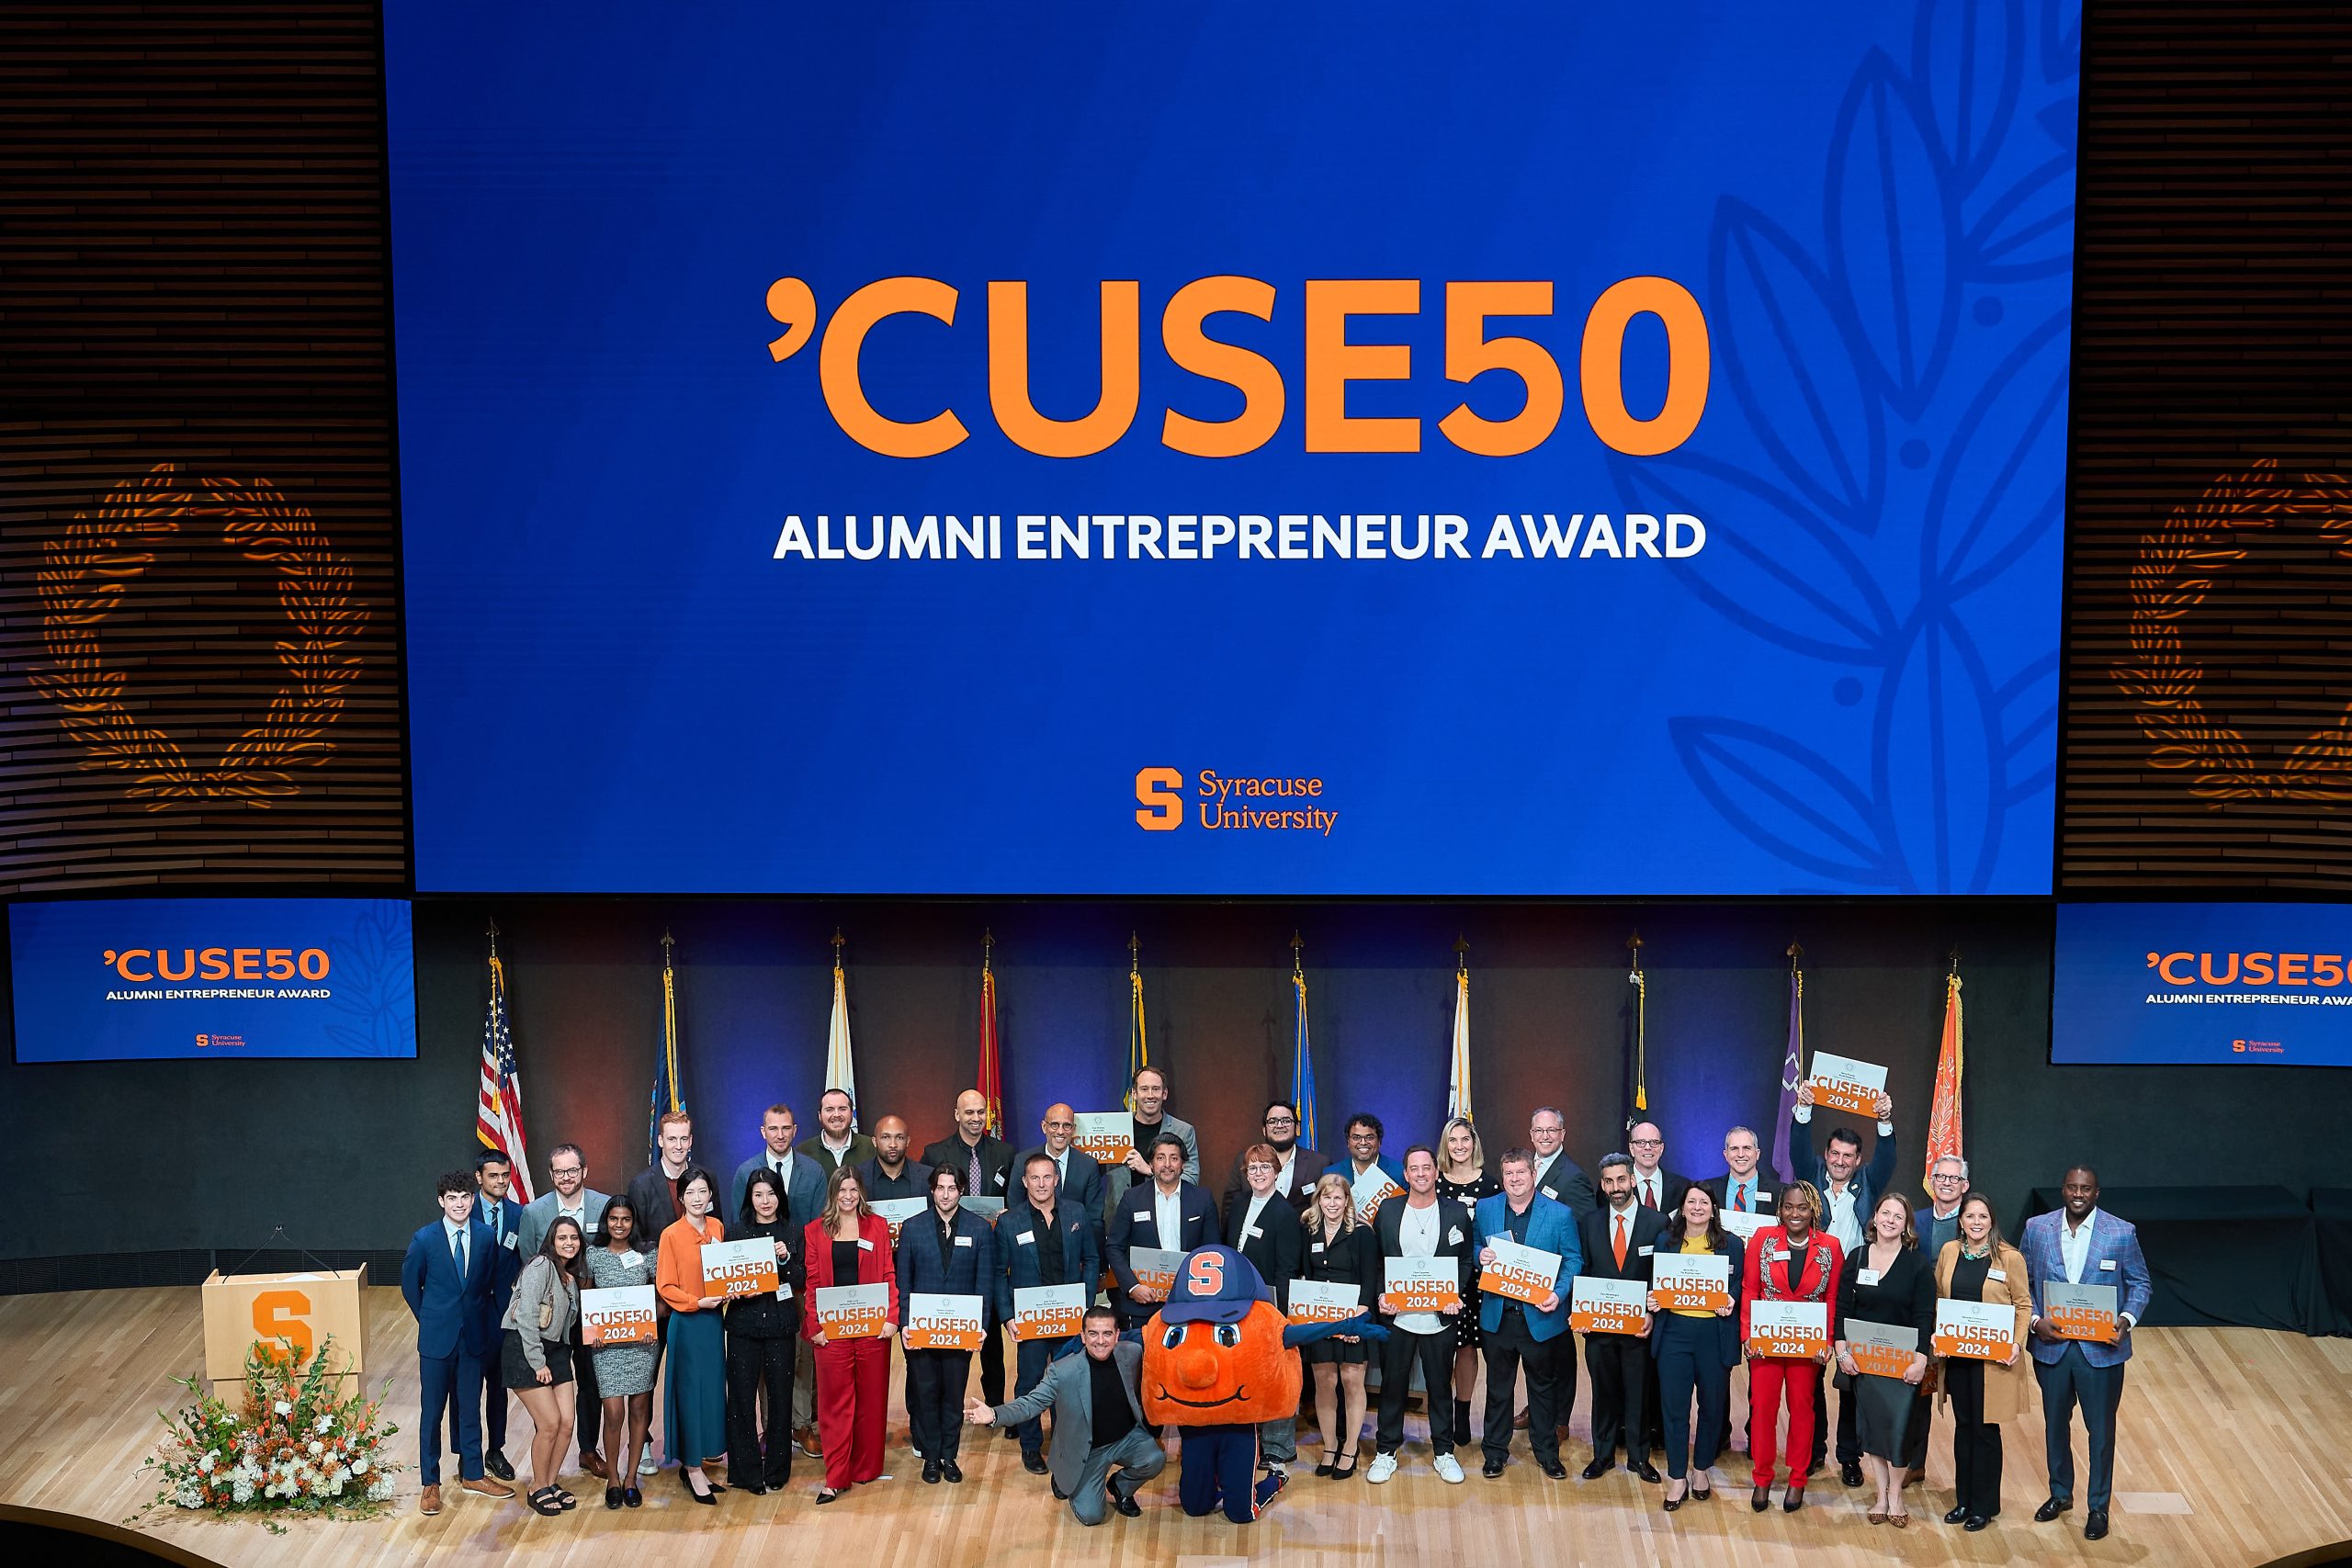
(990,1080)
(1138,1045)
(1791,1069)
(840,1071)
(1943,1120)
(1641,1037)
(498,1105)
(665,1097)
(1302,1061)
(1457,1091)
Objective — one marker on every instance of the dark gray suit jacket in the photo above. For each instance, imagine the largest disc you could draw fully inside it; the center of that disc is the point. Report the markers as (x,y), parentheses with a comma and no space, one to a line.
(1067,1390)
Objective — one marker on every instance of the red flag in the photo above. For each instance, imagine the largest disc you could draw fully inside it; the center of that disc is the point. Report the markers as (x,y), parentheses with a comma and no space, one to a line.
(1943,1120)
(991,1082)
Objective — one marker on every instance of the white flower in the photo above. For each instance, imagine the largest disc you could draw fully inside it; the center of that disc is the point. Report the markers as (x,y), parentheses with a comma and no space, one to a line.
(359,1464)
(190,1495)
(283,1408)
(326,1423)
(241,1490)
(380,1490)
(204,1464)
(317,1447)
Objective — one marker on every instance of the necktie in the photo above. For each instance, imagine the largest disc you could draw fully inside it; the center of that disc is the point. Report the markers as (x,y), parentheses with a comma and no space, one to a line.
(1649,1195)
(1620,1241)
(457,1251)
(1741,1201)
(973,1176)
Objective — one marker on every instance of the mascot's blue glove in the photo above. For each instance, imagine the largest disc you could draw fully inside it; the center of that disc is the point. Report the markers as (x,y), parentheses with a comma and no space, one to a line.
(1362,1326)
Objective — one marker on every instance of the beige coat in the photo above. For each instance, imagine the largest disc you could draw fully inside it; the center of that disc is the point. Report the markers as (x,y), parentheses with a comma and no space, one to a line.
(2009,1390)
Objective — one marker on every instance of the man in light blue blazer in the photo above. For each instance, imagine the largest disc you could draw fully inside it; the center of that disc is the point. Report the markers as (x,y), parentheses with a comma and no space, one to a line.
(2083,1244)
(446,1278)
(1532,1336)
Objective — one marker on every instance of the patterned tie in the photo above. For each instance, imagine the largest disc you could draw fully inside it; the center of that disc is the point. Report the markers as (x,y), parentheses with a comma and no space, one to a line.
(1620,1241)
(1741,1201)
(972,1178)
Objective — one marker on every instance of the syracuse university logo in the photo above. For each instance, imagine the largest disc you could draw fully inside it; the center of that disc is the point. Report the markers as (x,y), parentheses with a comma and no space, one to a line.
(1233,802)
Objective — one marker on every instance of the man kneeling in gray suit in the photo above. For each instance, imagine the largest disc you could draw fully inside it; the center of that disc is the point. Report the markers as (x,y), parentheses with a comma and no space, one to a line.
(1098,1421)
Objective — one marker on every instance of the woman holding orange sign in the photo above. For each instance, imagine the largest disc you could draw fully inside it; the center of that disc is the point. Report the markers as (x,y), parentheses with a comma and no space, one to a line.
(1983,1392)
(1696,1347)
(849,1244)
(1886,1284)
(1791,1261)
(697,1402)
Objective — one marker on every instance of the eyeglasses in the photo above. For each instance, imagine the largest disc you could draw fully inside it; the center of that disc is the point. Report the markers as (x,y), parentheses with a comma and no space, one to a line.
(1257,1165)
(1947,1176)
(563,1170)
(1649,1142)
(1282,1120)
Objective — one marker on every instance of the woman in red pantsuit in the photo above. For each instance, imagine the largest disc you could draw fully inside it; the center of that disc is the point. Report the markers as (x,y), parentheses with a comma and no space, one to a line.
(849,1244)
(1788,1263)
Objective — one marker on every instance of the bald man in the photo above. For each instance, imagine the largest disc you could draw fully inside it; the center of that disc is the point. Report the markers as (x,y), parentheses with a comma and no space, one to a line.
(985,1162)
(891,1173)
(1081,1177)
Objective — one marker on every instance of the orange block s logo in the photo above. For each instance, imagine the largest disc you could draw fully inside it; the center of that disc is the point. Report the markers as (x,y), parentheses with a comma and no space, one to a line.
(1157,792)
(1207,1275)
(284,1314)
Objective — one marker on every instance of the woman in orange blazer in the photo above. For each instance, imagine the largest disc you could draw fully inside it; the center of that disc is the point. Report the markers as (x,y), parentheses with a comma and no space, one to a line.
(698,1349)
(1980,1267)
(849,1244)
(1788,1263)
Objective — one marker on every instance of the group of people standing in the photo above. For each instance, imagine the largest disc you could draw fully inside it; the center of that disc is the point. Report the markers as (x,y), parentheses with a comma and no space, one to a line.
(496,1291)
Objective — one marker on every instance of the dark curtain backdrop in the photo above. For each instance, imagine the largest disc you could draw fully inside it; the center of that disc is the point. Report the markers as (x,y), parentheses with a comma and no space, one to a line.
(118,1157)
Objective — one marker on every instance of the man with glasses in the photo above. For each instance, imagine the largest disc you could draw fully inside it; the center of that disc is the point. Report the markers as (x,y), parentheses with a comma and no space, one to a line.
(1364,1133)
(1294,1177)
(572,1199)
(1557,1177)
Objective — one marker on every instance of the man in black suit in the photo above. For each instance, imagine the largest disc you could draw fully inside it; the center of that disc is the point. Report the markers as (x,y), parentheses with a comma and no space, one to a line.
(985,1162)
(1169,1212)
(1040,1240)
(1421,1223)
(1078,1180)
(1264,1228)
(1296,1169)
(1660,1189)
(1557,1177)
(1618,1239)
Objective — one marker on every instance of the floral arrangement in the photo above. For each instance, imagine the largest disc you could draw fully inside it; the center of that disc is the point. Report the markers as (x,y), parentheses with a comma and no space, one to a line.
(298,1443)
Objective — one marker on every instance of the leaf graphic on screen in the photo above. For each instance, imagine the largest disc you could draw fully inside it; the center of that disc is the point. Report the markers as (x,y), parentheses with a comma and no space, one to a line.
(1968,57)
(1783,797)
(1893,221)
(2001,485)
(1938,742)
(1794,367)
(2028,705)
(373,987)
(2062,41)
(2026,231)
(1773,565)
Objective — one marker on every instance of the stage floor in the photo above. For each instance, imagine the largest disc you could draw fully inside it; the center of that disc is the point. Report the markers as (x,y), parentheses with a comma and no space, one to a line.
(2234,1450)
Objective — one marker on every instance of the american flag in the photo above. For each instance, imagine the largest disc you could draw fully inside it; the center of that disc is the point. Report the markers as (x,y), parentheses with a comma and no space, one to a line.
(498,1111)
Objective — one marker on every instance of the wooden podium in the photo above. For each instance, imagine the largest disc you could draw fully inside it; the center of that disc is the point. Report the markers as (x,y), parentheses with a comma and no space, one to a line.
(304,1308)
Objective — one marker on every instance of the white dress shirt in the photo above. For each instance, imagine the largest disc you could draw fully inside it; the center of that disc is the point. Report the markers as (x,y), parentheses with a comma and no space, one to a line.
(1167,1214)
(2074,1245)
(1841,1221)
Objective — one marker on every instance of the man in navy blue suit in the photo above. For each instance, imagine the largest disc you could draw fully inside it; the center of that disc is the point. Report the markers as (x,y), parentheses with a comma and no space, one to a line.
(446,1279)
(1168,1213)
(495,1208)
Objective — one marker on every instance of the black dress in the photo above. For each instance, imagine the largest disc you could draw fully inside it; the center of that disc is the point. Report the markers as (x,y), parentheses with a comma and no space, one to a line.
(1905,1295)
(1467,1194)
(1352,1258)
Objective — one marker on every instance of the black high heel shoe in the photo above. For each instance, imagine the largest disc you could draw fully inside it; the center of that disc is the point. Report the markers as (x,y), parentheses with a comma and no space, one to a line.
(1344,1471)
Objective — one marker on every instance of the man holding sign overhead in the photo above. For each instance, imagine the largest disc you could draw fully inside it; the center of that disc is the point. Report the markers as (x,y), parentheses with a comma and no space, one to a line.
(2090,1289)
(1529,1250)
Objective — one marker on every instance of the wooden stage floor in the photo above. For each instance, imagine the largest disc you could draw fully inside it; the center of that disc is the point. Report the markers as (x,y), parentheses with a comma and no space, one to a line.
(2236,1449)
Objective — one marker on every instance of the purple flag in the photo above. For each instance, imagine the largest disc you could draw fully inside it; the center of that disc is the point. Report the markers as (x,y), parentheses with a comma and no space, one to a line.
(1791,1068)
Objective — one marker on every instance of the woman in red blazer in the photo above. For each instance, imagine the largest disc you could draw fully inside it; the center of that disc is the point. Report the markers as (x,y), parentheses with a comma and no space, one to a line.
(1788,1263)
(849,1244)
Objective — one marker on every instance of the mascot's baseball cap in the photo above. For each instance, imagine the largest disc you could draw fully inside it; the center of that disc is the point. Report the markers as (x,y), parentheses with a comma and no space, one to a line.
(1215,1285)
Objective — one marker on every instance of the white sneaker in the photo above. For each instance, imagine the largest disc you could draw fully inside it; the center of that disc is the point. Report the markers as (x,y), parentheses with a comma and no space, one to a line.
(1382,1467)
(648,1465)
(1449,1469)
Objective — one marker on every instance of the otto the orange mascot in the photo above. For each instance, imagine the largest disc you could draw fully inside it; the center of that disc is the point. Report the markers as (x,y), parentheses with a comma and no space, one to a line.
(1219,1360)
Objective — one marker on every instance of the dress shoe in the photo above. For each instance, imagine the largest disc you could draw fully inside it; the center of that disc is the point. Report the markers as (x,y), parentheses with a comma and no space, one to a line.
(1599,1467)
(809,1444)
(1492,1468)
(1977,1522)
(593,1464)
(1795,1500)
(1958,1516)
(2051,1509)
(1913,1477)
(487,1487)
(1033,1464)
(1059,1496)
(495,1462)
(1671,1504)
(632,1497)
(612,1497)
(1126,1506)
(1852,1474)
(827,1494)
(931,1472)
(756,1488)
(1553,1468)
(2094,1525)
(1761,1499)
(950,1473)
(1645,1470)
(1519,1422)
(429,1500)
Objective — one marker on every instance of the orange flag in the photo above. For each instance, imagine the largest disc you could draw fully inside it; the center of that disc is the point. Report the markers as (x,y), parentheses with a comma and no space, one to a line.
(1943,1119)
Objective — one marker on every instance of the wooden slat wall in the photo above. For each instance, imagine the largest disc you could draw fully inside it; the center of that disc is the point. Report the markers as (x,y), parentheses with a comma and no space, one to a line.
(192,273)
(2213,338)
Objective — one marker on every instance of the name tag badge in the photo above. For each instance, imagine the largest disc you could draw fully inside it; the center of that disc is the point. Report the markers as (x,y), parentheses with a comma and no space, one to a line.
(1315,1247)
(963,1241)
(1253,1231)
(513,1242)
(1644,1251)
(1026,1238)
(1868,1276)
(1552,1194)
(1762,1199)
(2107,1263)
(783,1292)
(2000,1274)
(864,1245)
(1140,1215)
(632,1259)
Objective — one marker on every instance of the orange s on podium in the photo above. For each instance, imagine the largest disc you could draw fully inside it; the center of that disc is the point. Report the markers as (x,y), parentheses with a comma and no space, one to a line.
(303,1309)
